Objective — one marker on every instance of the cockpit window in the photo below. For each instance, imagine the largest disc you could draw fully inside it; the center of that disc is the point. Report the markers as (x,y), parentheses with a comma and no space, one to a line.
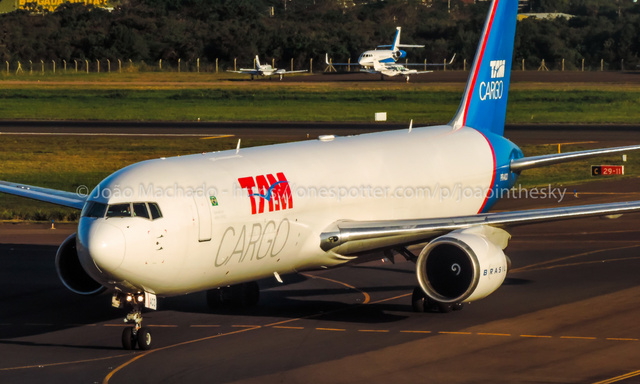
(140,210)
(144,210)
(94,209)
(119,210)
(155,211)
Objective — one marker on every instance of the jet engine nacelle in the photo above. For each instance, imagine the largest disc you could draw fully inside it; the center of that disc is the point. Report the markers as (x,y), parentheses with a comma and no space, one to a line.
(70,271)
(463,266)
(399,54)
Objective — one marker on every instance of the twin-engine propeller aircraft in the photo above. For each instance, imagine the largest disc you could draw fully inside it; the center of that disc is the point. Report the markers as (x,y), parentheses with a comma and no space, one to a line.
(220,221)
(384,61)
(265,70)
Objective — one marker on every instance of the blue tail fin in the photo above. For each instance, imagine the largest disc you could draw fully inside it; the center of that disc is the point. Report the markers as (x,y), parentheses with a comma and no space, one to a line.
(396,39)
(484,104)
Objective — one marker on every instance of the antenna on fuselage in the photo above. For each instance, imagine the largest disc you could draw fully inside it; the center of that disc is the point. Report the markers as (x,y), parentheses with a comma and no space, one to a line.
(410,125)
(238,146)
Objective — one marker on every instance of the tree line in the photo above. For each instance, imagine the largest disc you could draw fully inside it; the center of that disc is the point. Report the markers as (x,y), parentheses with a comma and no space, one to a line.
(152,30)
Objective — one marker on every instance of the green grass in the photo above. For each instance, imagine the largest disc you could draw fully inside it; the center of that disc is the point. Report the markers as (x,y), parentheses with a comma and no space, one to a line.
(223,105)
(265,101)
(574,106)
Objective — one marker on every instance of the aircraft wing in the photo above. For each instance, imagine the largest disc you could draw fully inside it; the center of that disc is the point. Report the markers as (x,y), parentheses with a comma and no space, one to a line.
(402,46)
(328,62)
(53,196)
(392,69)
(285,72)
(434,64)
(351,237)
(246,71)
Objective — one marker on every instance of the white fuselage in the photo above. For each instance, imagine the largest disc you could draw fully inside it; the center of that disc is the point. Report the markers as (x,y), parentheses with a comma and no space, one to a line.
(370,58)
(213,233)
(265,70)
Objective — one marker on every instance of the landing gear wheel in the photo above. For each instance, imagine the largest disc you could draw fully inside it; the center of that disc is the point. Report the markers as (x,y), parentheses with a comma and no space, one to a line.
(136,334)
(250,294)
(418,300)
(444,307)
(235,296)
(128,339)
(214,298)
(144,338)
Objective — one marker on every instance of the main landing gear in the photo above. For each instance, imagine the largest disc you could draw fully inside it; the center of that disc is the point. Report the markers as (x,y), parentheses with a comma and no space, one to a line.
(234,296)
(420,302)
(137,334)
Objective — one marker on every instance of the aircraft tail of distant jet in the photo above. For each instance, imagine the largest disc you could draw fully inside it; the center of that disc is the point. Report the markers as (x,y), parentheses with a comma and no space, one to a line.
(484,103)
(396,52)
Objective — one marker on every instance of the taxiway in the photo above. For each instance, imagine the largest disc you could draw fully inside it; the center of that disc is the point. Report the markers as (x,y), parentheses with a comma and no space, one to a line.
(567,313)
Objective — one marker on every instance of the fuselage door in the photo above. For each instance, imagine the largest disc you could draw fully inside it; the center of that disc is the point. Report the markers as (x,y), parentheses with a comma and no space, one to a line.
(204,217)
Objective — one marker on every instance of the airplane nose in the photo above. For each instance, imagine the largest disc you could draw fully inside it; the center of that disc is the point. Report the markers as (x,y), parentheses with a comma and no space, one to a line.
(104,243)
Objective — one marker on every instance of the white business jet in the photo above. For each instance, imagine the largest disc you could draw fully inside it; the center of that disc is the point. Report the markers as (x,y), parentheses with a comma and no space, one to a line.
(265,70)
(220,221)
(384,61)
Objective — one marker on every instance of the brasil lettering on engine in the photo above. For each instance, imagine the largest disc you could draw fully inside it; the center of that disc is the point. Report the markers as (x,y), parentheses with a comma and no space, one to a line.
(274,190)
(493,271)
(494,89)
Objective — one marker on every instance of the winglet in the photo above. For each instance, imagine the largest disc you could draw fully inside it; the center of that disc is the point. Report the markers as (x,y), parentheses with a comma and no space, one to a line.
(484,103)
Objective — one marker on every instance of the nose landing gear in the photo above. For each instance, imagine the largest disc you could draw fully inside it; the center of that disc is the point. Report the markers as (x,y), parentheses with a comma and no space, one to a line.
(136,335)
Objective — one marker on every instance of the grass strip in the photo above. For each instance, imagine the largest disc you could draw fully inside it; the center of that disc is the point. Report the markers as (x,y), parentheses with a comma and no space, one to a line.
(319,103)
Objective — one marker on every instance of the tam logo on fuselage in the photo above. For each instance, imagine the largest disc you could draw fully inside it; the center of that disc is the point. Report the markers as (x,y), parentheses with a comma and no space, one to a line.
(272,189)
(494,89)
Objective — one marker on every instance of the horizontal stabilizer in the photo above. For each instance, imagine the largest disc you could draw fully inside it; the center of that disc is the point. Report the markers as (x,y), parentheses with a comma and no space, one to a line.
(519,165)
(402,46)
(410,46)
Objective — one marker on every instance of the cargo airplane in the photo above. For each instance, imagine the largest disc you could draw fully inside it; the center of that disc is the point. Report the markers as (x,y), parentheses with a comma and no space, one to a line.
(218,222)
(265,70)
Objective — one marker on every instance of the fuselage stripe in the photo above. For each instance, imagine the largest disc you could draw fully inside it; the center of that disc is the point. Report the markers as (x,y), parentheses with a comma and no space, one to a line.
(472,85)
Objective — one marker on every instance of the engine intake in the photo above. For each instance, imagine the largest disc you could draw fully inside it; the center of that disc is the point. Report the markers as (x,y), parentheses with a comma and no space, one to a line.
(70,271)
(461,266)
